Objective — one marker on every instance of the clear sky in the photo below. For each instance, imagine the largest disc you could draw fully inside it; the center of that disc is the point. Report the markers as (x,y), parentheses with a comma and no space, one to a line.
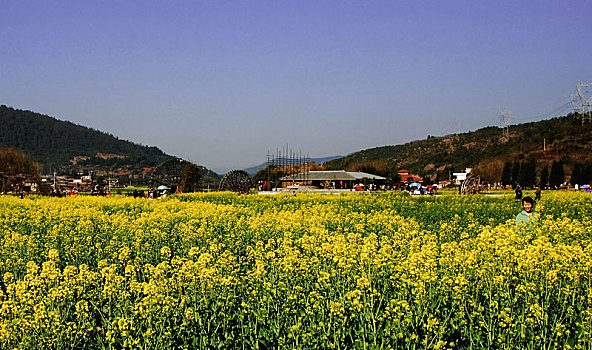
(222,82)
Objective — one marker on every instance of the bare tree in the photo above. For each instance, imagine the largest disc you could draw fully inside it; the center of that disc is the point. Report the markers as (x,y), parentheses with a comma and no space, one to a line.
(16,168)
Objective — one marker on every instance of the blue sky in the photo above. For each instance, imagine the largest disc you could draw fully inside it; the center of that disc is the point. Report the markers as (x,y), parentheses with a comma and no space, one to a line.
(222,82)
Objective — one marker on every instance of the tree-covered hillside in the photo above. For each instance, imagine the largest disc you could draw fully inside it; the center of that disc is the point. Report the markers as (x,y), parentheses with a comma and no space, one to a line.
(562,139)
(69,148)
(56,144)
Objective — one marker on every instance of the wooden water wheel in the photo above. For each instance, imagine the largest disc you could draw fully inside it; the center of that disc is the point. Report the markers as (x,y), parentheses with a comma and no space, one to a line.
(236,181)
(471,185)
(168,173)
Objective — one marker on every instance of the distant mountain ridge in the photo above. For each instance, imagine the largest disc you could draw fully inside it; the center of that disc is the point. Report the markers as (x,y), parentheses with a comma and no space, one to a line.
(69,148)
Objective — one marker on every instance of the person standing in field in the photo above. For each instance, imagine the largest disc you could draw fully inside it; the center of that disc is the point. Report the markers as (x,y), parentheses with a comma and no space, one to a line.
(527,216)
(537,194)
(518,192)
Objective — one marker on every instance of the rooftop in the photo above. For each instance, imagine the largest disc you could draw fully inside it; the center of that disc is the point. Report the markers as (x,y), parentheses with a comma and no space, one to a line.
(331,175)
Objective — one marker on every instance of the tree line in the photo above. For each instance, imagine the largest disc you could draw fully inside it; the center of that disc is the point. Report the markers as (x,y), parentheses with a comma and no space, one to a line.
(525,173)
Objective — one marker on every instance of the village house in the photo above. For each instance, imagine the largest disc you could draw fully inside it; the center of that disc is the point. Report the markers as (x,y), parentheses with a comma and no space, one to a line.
(460,177)
(406,177)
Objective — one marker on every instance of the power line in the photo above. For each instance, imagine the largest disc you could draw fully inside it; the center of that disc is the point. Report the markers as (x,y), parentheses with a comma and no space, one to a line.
(577,101)
(557,111)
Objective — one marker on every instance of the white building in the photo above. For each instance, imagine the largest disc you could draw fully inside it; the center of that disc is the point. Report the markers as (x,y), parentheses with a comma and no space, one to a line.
(460,177)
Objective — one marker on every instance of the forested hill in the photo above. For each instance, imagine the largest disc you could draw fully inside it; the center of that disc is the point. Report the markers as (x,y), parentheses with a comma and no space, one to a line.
(60,144)
(567,142)
(69,148)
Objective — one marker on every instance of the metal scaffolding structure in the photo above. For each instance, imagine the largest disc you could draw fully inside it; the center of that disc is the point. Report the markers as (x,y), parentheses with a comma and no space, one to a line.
(287,162)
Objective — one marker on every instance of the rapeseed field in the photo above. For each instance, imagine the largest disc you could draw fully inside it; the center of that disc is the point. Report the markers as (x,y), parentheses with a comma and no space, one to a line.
(359,271)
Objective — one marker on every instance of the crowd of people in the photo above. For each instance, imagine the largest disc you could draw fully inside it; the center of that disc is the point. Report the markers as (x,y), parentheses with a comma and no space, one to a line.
(56,192)
(150,194)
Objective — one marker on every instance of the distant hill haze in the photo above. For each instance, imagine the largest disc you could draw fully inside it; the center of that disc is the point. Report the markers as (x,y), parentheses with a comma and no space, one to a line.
(69,148)
(562,139)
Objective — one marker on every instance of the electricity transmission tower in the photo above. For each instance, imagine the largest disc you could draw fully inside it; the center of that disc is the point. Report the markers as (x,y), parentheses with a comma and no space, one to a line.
(505,116)
(581,101)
